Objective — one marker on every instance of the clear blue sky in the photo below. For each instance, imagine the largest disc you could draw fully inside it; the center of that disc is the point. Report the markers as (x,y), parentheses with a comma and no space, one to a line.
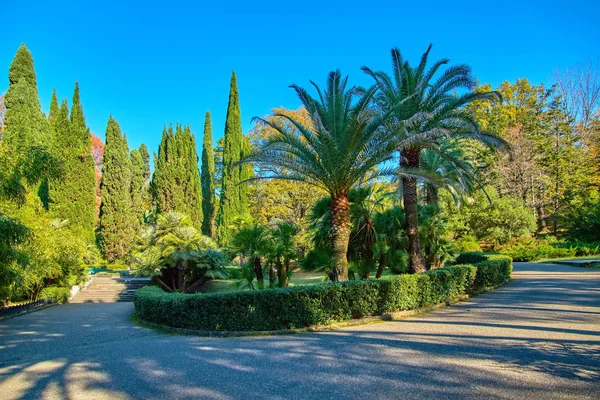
(149,63)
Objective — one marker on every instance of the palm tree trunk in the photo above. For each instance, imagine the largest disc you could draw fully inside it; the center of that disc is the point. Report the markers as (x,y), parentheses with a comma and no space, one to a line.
(410,158)
(259,273)
(340,235)
(381,265)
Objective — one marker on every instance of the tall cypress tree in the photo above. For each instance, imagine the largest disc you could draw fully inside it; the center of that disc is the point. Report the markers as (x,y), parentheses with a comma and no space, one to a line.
(73,196)
(117,221)
(84,170)
(234,197)
(208,180)
(53,110)
(176,181)
(140,171)
(24,123)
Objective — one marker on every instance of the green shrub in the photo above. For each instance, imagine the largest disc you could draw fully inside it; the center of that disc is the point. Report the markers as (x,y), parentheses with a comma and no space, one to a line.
(56,294)
(532,250)
(302,306)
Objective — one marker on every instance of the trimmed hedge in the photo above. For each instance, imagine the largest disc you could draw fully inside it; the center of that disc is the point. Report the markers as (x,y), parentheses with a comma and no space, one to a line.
(58,295)
(302,306)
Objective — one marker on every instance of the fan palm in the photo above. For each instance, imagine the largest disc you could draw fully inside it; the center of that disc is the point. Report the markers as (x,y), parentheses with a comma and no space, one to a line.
(431,112)
(344,143)
(250,242)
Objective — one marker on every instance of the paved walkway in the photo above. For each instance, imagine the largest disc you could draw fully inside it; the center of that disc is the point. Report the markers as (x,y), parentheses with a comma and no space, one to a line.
(538,337)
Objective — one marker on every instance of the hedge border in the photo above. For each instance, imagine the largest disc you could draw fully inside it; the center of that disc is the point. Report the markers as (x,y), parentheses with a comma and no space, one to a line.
(394,316)
(323,307)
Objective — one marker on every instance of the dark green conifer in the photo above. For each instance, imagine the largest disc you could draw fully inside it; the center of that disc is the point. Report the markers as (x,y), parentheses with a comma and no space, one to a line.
(233,196)
(72,197)
(176,181)
(208,180)
(140,171)
(25,125)
(117,219)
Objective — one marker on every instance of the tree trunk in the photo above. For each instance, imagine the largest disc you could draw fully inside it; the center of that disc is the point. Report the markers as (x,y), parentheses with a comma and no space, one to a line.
(410,158)
(340,235)
(196,285)
(164,286)
(259,272)
(271,276)
(381,265)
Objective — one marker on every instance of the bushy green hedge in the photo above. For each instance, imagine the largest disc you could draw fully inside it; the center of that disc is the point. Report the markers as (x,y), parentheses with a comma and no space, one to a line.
(56,294)
(532,250)
(302,306)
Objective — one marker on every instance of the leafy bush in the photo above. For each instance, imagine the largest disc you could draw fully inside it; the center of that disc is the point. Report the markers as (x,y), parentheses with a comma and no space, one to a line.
(302,306)
(56,294)
(531,249)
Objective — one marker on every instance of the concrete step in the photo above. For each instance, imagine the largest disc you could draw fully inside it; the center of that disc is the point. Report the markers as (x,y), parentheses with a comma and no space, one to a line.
(110,290)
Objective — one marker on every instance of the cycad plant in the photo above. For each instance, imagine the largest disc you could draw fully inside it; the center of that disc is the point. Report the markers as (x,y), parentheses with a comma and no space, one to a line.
(176,255)
(427,109)
(343,144)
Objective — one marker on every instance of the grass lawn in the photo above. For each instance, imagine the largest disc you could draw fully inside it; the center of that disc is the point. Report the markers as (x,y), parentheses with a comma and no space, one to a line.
(543,260)
(299,278)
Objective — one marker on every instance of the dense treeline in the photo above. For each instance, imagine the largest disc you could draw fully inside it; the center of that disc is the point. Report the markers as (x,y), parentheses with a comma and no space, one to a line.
(403,174)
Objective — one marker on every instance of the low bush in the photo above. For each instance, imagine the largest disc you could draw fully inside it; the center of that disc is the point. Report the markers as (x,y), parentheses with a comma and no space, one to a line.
(532,250)
(58,295)
(302,306)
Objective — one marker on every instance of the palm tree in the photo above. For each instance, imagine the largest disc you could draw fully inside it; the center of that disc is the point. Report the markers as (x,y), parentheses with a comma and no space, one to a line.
(455,173)
(344,143)
(250,242)
(281,250)
(431,112)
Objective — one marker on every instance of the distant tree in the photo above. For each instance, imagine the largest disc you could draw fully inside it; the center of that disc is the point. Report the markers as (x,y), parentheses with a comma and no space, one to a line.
(2,111)
(25,125)
(73,196)
(208,181)
(140,172)
(117,220)
(234,195)
(176,180)
(97,153)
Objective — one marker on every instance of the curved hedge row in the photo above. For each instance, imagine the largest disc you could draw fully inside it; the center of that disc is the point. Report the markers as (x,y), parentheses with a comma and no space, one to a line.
(302,306)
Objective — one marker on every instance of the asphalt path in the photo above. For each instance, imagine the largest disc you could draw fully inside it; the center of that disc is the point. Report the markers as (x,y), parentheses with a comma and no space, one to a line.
(537,337)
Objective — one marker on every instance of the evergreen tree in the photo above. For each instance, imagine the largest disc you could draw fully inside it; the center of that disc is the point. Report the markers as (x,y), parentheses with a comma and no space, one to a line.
(117,220)
(53,110)
(72,197)
(24,123)
(207,179)
(140,171)
(234,197)
(176,181)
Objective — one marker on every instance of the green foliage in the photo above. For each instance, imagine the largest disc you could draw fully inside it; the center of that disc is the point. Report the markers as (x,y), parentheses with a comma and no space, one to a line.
(117,220)
(176,255)
(528,249)
(58,295)
(140,172)
(298,307)
(207,178)
(584,221)
(72,196)
(342,145)
(490,218)
(176,181)
(234,200)
(24,123)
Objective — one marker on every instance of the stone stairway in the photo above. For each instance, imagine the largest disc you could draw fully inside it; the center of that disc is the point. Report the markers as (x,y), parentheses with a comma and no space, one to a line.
(109,290)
